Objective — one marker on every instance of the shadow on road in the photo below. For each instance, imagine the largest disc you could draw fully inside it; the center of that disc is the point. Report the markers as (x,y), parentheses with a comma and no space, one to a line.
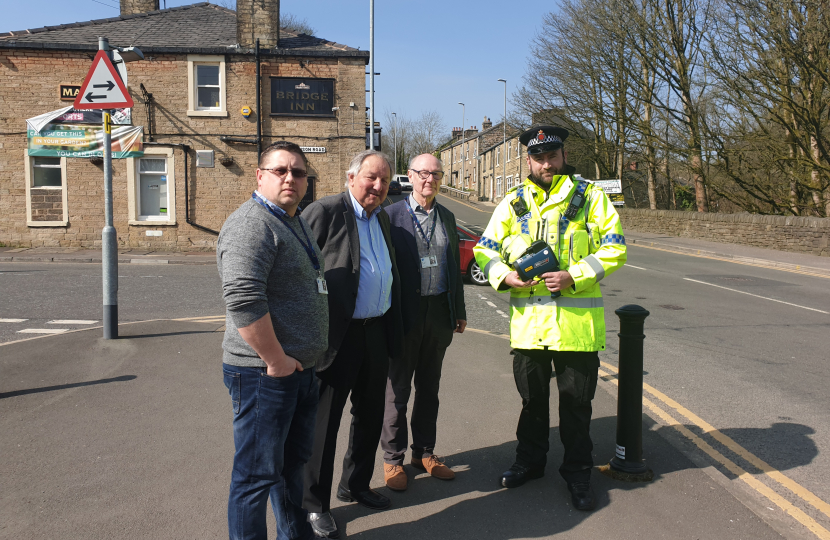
(122,378)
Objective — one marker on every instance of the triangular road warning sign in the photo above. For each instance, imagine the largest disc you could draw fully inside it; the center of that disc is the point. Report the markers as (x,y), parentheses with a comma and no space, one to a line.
(102,88)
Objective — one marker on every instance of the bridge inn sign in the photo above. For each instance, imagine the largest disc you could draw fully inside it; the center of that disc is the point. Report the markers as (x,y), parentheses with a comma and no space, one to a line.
(302,97)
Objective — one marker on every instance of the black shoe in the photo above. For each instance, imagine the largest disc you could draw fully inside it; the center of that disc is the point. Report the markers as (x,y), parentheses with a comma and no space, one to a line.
(323,525)
(519,474)
(369,498)
(582,496)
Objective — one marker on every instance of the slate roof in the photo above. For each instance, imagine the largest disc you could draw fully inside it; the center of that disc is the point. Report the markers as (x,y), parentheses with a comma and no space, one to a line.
(201,27)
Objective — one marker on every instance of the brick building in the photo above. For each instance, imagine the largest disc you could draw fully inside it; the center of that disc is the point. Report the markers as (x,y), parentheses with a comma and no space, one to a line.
(474,160)
(199,150)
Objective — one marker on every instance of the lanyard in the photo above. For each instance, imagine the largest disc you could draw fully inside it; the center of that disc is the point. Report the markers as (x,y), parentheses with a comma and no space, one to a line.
(427,239)
(309,247)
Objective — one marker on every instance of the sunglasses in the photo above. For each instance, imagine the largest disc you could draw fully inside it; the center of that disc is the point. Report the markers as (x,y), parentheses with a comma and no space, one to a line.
(282,172)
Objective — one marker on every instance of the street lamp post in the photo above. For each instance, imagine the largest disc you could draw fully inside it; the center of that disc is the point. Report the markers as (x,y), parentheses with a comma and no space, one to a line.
(395,139)
(463,138)
(372,74)
(503,142)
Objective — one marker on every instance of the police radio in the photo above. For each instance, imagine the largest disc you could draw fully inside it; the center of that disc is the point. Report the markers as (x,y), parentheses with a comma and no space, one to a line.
(535,261)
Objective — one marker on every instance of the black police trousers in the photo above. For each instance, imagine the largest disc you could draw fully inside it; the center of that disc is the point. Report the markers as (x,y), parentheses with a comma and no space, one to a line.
(576,379)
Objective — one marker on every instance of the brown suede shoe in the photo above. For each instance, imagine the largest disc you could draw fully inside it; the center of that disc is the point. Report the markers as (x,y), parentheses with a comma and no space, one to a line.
(434,467)
(394,476)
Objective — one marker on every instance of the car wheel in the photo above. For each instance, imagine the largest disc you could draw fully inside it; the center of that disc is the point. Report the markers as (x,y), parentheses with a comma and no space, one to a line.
(476,275)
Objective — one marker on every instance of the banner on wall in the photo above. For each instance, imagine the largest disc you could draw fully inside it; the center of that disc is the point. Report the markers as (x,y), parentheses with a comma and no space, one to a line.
(83,141)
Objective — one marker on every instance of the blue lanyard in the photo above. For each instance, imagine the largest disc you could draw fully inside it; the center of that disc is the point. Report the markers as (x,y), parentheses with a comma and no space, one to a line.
(427,239)
(309,247)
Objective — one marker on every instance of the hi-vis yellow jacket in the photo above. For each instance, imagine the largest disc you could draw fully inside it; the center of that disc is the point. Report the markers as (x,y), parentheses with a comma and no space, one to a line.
(589,247)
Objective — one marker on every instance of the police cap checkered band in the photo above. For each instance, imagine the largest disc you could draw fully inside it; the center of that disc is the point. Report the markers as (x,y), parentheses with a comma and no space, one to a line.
(540,139)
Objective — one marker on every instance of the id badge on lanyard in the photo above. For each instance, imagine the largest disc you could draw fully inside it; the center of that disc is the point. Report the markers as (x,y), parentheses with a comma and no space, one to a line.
(322,288)
(429,262)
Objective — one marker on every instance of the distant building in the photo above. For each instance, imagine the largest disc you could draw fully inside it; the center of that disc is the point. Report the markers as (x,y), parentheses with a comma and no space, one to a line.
(191,93)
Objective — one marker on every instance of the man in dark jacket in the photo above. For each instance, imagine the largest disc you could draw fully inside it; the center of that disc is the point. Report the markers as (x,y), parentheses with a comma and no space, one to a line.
(365,329)
(432,306)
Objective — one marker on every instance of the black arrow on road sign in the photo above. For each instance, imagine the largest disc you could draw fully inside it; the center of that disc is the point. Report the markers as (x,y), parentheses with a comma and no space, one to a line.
(90,97)
(109,86)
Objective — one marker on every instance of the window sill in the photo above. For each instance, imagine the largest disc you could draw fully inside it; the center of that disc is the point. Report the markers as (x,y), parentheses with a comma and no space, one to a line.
(221,114)
(47,223)
(151,223)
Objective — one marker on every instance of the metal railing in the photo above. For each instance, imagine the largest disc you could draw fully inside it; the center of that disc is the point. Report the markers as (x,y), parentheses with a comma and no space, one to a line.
(457,193)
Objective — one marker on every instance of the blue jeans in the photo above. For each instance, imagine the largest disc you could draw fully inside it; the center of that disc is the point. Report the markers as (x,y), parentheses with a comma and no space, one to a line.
(273,432)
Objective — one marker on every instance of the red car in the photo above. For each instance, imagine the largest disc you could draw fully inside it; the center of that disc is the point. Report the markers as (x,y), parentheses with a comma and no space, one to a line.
(467,240)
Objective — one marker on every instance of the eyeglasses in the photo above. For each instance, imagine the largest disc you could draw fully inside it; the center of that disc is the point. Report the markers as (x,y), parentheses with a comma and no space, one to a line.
(438,175)
(282,172)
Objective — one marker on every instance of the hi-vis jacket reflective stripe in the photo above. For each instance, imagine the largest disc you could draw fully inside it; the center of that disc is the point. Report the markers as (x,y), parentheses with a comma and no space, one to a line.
(589,247)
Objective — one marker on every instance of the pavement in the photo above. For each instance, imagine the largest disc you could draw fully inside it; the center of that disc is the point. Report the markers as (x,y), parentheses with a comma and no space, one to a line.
(131,438)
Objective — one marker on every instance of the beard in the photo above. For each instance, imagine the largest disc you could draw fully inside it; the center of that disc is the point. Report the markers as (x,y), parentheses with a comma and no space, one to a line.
(539,181)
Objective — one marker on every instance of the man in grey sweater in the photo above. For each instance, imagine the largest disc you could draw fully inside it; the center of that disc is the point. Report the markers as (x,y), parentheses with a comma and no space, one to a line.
(276,332)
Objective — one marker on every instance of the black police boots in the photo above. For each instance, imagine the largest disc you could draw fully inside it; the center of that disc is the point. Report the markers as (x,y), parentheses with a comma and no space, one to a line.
(582,496)
(519,474)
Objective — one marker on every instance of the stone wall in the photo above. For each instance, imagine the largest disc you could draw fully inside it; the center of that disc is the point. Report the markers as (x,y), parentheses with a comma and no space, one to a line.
(786,233)
(29,83)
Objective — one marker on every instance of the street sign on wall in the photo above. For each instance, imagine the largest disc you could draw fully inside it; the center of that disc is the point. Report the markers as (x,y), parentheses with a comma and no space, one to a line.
(612,188)
(102,88)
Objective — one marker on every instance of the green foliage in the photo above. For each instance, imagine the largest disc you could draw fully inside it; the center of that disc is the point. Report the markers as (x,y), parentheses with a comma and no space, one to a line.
(685,197)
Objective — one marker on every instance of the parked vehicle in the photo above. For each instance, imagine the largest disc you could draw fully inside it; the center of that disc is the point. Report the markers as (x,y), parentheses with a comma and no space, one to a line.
(395,187)
(406,185)
(467,240)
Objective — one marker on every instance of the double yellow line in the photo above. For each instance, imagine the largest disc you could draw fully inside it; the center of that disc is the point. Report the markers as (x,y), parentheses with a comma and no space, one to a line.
(766,469)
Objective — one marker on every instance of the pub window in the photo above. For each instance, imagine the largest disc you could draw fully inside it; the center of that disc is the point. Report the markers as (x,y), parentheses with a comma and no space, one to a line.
(46,201)
(152,188)
(206,81)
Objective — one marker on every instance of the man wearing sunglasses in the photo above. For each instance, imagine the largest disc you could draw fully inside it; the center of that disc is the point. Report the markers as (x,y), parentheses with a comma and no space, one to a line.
(276,333)
(432,306)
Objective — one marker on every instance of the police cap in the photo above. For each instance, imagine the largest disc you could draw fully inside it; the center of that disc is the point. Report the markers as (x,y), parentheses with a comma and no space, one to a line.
(541,139)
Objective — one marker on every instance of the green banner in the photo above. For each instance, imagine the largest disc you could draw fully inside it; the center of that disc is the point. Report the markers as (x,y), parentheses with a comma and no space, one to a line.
(83,141)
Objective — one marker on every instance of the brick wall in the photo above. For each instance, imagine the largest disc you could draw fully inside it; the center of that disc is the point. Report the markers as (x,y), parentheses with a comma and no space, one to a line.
(29,83)
(786,233)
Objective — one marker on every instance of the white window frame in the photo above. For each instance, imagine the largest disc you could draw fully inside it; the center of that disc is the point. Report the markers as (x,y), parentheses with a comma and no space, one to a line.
(133,185)
(498,186)
(194,60)
(28,168)
(509,150)
(498,155)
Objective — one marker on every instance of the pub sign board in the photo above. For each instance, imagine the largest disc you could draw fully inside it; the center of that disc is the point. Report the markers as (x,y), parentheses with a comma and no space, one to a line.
(302,97)
(68,92)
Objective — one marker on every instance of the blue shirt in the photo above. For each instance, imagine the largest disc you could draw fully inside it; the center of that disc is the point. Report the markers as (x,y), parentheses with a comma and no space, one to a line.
(374,291)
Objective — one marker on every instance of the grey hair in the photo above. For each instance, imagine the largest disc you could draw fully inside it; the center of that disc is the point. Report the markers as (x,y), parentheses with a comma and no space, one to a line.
(413,158)
(357,162)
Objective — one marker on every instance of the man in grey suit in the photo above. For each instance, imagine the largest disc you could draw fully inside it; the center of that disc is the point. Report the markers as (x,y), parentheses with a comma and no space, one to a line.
(365,329)
(432,306)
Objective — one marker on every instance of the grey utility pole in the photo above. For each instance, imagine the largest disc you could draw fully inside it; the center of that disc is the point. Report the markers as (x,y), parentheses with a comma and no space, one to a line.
(463,139)
(372,74)
(503,140)
(109,245)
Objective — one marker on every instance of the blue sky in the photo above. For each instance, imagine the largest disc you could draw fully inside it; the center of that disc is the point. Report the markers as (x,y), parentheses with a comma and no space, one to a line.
(431,54)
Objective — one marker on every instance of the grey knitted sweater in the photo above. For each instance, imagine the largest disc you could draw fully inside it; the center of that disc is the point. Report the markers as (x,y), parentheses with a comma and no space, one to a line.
(264,269)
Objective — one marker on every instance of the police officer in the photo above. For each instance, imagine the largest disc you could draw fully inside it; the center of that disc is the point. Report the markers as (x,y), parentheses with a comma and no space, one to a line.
(558,316)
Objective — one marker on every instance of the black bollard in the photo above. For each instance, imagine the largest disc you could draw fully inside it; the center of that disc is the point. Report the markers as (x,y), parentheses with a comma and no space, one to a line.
(628,457)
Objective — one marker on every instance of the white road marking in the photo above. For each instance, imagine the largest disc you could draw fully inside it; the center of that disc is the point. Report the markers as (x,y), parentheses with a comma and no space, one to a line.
(491,304)
(758,296)
(70,321)
(13,320)
(461,221)
(502,313)
(632,266)
(43,331)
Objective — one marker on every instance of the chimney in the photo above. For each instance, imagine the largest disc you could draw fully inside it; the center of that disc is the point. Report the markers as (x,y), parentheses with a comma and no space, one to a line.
(258,19)
(456,134)
(134,7)
(487,124)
